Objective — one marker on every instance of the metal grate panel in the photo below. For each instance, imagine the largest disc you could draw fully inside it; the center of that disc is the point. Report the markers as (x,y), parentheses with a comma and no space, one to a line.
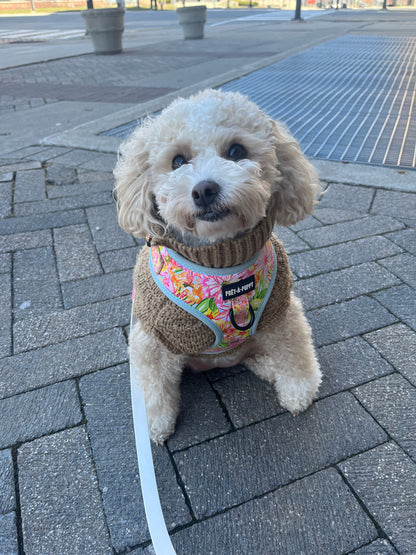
(351,99)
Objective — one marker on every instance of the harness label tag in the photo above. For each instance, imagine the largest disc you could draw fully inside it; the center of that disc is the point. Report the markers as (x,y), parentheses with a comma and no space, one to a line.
(238,288)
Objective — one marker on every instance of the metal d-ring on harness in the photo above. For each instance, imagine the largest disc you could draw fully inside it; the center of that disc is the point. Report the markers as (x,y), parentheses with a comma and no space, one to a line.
(155,521)
(249,325)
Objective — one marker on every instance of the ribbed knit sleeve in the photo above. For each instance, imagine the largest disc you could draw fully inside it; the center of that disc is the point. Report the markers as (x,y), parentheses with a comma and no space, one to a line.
(176,329)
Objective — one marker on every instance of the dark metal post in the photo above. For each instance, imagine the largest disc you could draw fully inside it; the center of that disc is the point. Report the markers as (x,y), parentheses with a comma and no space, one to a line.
(297,11)
(90,5)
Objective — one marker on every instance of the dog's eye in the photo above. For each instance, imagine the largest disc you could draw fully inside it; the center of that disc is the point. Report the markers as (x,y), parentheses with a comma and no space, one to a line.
(237,152)
(178,161)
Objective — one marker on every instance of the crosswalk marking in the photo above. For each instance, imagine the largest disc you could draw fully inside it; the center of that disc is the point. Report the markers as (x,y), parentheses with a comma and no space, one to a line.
(276,15)
(28,35)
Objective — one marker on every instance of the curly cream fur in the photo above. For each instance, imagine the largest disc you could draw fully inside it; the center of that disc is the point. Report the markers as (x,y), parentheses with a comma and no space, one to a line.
(154,199)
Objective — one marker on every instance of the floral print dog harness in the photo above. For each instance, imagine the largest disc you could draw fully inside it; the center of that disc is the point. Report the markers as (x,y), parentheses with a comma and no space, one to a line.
(229,301)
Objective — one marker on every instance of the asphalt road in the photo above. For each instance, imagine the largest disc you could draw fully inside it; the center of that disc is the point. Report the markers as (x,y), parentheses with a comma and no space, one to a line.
(141,19)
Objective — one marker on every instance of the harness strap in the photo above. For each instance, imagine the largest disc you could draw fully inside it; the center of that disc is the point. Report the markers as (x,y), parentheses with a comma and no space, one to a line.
(155,521)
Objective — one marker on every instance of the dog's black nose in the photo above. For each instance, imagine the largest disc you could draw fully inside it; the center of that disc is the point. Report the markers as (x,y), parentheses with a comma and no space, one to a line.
(205,193)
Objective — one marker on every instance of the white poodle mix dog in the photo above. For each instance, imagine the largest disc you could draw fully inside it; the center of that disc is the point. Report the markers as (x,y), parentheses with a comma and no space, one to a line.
(210,177)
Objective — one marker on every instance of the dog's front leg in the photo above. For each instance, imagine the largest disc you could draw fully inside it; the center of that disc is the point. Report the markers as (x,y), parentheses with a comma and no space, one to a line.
(288,359)
(158,374)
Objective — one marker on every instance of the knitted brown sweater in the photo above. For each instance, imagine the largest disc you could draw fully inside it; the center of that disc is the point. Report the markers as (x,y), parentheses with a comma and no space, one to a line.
(181,332)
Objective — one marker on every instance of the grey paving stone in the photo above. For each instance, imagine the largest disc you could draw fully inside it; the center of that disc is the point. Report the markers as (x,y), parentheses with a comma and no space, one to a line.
(379,547)
(341,321)
(60,501)
(5,263)
(35,283)
(70,359)
(392,402)
(99,288)
(220,373)
(349,363)
(110,428)
(290,240)
(318,514)
(403,266)
(89,176)
(393,203)
(5,315)
(39,260)
(16,165)
(28,151)
(201,416)
(106,232)
(57,174)
(63,203)
(397,344)
(8,535)
(336,215)
(385,480)
(80,189)
(336,257)
(405,238)
(401,301)
(6,177)
(29,185)
(41,221)
(45,154)
(247,398)
(21,241)
(347,231)
(7,494)
(123,259)
(56,327)
(342,285)
(5,200)
(274,452)
(39,412)
(75,253)
(75,157)
(349,197)
(307,223)
(101,162)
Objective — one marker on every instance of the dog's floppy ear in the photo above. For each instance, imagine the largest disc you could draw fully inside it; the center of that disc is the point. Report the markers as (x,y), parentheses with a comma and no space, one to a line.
(137,212)
(298,185)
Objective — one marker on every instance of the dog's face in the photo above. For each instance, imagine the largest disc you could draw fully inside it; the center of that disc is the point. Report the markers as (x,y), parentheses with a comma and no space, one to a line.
(206,168)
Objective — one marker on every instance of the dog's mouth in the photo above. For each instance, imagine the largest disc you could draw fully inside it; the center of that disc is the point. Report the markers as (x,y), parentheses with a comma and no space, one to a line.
(213,214)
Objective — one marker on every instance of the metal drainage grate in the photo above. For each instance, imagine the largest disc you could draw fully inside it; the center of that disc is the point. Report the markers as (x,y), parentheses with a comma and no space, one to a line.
(351,99)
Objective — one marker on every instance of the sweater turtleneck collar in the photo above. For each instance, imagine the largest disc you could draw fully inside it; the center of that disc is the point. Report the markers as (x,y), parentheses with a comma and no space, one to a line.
(227,253)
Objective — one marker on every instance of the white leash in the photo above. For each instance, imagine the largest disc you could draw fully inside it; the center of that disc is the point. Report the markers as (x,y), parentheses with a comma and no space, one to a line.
(157,527)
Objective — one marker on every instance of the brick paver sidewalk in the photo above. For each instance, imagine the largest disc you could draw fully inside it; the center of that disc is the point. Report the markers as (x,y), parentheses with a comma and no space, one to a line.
(239,475)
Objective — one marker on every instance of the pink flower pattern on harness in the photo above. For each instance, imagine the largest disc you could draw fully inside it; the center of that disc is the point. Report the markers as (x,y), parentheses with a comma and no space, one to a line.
(229,300)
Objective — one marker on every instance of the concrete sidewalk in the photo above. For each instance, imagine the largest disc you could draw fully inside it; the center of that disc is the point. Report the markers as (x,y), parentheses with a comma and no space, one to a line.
(239,475)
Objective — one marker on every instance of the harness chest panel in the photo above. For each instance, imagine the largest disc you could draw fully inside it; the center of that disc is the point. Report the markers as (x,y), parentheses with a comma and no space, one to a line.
(230,301)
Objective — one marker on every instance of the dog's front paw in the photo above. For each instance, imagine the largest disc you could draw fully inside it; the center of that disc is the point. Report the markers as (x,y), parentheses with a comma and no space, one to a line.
(297,394)
(294,404)
(161,426)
